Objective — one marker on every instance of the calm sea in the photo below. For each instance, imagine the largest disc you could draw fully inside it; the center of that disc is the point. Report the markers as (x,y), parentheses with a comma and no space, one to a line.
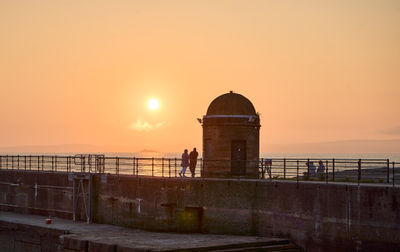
(391,156)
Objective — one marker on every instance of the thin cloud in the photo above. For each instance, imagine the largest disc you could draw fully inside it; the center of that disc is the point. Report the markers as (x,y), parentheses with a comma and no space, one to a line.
(140,125)
(392,131)
(159,125)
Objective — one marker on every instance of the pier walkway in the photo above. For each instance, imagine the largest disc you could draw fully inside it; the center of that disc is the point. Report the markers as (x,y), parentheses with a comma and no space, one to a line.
(19,232)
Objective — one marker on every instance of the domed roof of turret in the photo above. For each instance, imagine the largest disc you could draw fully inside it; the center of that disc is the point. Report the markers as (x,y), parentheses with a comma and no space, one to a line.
(231,104)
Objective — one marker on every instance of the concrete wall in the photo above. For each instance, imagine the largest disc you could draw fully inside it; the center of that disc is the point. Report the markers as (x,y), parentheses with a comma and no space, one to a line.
(316,216)
(23,238)
(42,193)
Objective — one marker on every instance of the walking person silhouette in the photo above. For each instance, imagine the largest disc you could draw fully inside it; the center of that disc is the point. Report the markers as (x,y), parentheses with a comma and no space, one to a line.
(193,161)
(185,163)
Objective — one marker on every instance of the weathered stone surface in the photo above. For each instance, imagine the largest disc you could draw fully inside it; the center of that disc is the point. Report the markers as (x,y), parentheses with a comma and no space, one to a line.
(75,243)
(315,215)
(96,237)
(101,247)
(126,249)
(226,122)
(19,194)
(72,250)
(6,241)
(26,247)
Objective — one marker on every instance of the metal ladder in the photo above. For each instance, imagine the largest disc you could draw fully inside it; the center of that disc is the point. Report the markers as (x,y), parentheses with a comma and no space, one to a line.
(79,180)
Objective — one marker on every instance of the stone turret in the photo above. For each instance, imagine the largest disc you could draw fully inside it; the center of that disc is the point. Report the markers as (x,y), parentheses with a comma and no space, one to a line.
(231,132)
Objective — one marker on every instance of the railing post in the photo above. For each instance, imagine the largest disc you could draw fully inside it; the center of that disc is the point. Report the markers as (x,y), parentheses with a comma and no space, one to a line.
(133,166)
(270,171)
(297,173)
(18,162)
(30,162)
(0,162)
(117,166)
(137,167)
(284,168)
(262,168)
(169,167)
(52,163)
(393,173)
(388,170)
(55,162)
(83,163)
(152,167)
(162,167)
(103,164)
(38,163)
(333,169)
(12,162)
(42,163)
(359,171)
(7,162)
(202,167)
(70,164)
(24,162)
(90,164)
(97,162)
(326,172)
(74,200)
(175,167)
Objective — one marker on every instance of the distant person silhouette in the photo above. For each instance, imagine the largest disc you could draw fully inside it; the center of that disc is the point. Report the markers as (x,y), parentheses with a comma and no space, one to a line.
(311,168)
(193,161)
(185,163)
(321,167)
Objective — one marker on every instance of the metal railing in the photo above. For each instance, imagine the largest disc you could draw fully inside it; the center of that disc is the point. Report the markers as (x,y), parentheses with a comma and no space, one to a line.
(300,169)
(93,163)
(332,170)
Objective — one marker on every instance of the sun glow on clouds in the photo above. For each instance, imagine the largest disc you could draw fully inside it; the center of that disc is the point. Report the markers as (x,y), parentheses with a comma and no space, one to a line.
(140,125)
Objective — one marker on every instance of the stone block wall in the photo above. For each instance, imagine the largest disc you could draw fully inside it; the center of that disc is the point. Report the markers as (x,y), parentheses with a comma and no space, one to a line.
(217,149)
(315,215)
(23,238)
(41,193)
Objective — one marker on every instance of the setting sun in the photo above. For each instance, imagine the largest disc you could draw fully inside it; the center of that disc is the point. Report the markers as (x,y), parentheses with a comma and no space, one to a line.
(153,104)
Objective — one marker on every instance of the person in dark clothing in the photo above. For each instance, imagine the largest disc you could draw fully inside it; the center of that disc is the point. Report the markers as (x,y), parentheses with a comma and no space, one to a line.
(185,163)
(321,167)
(193,161)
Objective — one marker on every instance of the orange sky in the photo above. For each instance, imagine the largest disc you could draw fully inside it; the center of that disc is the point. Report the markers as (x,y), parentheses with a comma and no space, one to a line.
(81,72)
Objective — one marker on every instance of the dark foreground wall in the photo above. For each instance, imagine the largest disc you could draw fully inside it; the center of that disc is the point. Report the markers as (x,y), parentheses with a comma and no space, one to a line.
(21,238)
(36,193)
(316,216)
